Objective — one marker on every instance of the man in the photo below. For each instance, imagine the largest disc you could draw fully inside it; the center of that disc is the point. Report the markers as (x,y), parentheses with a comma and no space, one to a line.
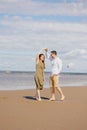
(55,70)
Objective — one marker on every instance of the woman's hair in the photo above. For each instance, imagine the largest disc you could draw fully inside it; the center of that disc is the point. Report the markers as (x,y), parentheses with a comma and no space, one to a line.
(40,56)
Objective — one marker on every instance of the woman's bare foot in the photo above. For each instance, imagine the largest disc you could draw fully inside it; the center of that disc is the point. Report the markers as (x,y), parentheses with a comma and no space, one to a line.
(46,49)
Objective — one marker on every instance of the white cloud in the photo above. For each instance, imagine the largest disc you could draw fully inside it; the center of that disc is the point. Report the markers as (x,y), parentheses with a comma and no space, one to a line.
(19,34)
(71,65)
(22,31)
(28,23)
(26,31)
(43,8)
(30,36)
(77,52)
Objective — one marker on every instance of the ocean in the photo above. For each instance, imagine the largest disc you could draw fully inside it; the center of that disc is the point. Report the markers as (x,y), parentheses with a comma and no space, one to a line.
(25,80)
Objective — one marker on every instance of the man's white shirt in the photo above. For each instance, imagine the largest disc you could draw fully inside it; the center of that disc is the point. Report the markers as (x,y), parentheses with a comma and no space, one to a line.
(56,65)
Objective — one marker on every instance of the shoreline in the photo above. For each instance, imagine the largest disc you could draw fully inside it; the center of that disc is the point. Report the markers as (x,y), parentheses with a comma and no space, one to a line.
(21,81)
(71,73)
(45,88)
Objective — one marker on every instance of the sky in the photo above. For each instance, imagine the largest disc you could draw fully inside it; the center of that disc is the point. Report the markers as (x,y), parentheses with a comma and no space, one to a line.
(26,26)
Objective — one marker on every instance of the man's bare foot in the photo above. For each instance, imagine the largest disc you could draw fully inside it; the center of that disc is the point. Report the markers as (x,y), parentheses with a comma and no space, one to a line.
(52,99)
(62,98)
(38,99)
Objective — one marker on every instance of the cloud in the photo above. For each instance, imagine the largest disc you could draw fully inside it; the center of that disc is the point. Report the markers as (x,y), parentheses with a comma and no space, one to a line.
(22,35)
(28,37)
(77,52)
(37,7)
(27,23)
(70,65)
(77,56)
(23,32)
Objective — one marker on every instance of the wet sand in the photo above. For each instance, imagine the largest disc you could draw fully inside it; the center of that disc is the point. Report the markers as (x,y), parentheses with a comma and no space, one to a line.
(20,111)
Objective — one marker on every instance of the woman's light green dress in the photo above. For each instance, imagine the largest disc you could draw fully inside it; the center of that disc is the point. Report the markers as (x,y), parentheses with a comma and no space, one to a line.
(39,75)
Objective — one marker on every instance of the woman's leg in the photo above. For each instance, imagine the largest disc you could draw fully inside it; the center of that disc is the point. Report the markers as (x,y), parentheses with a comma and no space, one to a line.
(38,95)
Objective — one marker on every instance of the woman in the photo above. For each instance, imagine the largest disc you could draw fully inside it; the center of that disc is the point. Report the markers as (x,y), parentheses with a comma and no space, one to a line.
(39,75)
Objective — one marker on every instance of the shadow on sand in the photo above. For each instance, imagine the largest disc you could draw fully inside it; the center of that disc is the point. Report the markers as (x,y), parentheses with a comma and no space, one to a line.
(33,98)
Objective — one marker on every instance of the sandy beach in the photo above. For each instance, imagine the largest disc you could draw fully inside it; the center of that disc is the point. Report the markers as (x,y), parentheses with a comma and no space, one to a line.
(20,111)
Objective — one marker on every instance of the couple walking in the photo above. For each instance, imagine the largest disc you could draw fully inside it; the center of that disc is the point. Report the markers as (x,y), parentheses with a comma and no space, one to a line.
(56,64)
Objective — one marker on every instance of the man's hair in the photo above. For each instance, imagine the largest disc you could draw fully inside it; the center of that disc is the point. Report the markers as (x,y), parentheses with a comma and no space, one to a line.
(54,52)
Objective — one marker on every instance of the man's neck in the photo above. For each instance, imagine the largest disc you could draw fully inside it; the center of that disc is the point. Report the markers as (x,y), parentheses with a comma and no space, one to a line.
(55,57)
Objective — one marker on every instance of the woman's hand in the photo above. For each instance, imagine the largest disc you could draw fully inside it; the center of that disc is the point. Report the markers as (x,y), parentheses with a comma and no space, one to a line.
(46,49)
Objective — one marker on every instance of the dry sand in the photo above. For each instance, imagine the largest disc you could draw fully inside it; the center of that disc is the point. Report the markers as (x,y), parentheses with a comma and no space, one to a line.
(20,111)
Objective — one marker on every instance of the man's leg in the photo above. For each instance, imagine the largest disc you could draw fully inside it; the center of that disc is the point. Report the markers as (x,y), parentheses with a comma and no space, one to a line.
(56,84)
(52,89)
(60,92)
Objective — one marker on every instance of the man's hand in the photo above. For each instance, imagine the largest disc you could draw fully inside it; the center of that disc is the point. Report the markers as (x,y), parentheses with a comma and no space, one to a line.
(46,49)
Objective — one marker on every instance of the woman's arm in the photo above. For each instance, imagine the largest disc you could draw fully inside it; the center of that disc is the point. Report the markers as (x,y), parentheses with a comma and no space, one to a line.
(37,57)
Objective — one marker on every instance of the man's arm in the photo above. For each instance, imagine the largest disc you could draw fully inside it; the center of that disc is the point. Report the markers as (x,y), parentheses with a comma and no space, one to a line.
(60,65)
